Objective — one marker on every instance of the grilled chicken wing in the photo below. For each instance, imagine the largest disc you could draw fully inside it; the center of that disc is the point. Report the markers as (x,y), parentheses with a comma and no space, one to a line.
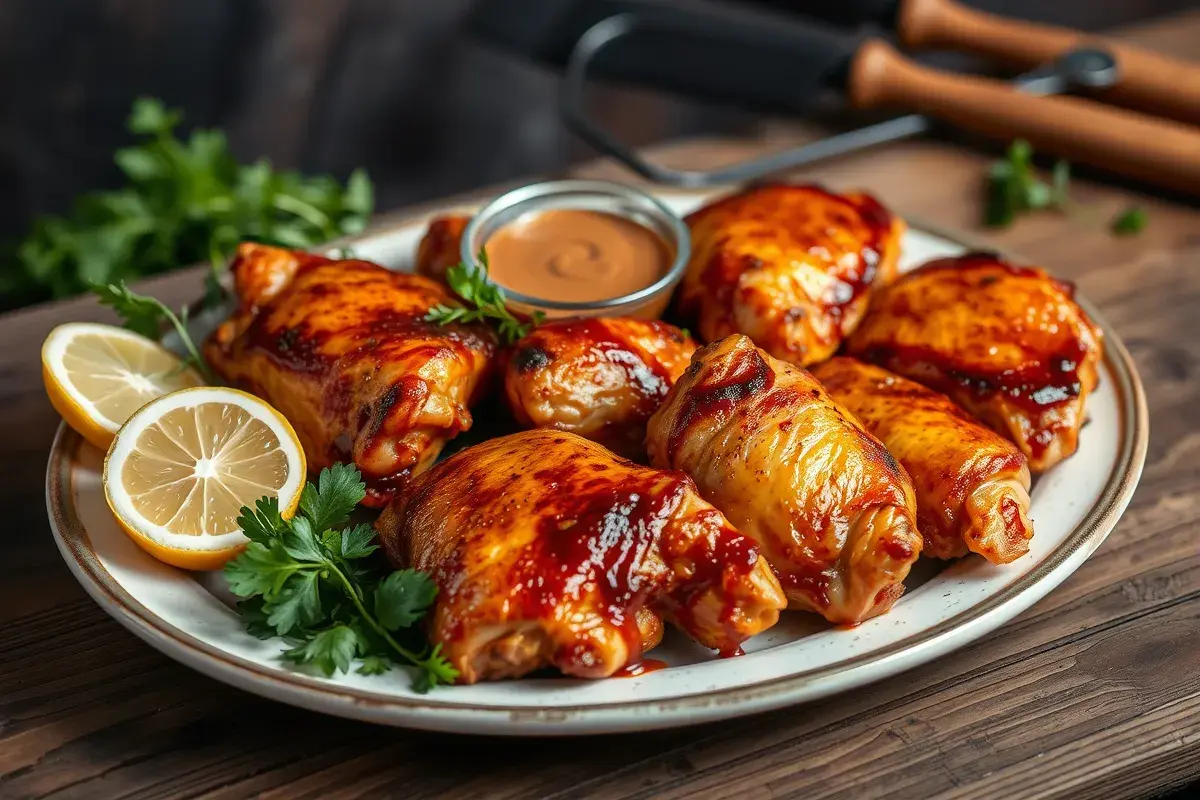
(1009,344)
(830,507)
(792,267)
(341,349)
(439,247)
(601,378)
(545,546)
(971,484)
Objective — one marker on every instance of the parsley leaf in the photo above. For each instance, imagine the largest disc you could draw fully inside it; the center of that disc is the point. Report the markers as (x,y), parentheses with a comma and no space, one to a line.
(263,522)
(339,490)
(485,302)
(298,604)
(328,650)
(356,542)
(403,598)
(318,587)
(1130,222)
(186,200)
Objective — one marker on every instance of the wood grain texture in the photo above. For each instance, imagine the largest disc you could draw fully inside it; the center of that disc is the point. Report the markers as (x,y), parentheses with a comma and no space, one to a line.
(1092,693)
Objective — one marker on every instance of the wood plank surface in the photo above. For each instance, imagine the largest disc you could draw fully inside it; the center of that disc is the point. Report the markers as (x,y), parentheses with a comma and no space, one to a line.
(1094,692)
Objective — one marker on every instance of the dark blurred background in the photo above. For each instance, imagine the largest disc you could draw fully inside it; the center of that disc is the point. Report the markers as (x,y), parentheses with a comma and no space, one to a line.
(323,86)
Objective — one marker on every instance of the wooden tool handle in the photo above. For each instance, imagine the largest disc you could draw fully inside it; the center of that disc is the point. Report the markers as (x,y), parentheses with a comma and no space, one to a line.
(1158,151)
(1147,81)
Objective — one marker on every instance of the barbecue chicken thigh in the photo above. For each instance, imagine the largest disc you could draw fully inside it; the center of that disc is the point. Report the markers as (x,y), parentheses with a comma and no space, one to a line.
(792,267)
(342,350)
(832,510)
(546,547)
(601,378)
(1009,344)
(971,484)
(439,247)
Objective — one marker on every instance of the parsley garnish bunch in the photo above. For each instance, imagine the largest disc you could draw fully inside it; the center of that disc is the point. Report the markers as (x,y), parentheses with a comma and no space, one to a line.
(485,302)
(184,201)
(312,581)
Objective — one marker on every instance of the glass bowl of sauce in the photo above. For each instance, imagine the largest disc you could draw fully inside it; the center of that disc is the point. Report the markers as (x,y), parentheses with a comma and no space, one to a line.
(576,248)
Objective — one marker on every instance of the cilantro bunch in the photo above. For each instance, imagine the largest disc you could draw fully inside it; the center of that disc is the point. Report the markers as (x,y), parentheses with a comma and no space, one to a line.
(311,580)
(185,201)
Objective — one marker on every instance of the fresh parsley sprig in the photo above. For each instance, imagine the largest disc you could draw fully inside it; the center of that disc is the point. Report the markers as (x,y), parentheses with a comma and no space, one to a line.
(185,200)
(1014,188)
(485,302)
(311,580)
(146,315)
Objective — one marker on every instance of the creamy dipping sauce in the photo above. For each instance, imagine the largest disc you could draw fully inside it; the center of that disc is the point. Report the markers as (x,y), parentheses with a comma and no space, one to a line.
(571,255)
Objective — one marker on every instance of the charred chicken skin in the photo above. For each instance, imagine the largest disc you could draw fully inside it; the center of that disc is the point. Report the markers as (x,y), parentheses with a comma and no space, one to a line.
(439,247)
(601,378)
(1009,344)
(341,349)
(546,549)
(971,484)
(792,267)
(832,510)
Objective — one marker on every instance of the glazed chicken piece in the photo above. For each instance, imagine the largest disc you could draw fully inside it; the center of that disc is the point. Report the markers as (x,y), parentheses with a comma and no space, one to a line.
(832,510)
(547,550)
(971,484)
(601,378)
(792,267)
(1009,344)
(340,349)
(439,247)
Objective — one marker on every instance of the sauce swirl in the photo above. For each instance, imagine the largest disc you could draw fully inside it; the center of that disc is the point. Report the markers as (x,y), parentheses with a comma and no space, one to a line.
(571,255)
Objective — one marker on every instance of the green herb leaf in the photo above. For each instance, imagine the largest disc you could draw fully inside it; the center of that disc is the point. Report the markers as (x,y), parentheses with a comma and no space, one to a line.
(298,604)
(485,302)
(330,650)
(435,671)
(260,570)
(263,522)
(358,542)
(403,598)
(339,490)
(1130,222)
(300,542)
(374,665)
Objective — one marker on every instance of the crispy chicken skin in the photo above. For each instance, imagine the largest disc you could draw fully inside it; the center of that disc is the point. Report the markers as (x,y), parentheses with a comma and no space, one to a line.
(545,546)
(340,348)
(792,267)
(971,484)
(439,247)
(1009,344)
(832,510)
(601,378)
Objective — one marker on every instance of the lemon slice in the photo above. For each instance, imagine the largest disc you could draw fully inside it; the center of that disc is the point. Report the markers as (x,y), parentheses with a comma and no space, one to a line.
(98,375)
(181,468)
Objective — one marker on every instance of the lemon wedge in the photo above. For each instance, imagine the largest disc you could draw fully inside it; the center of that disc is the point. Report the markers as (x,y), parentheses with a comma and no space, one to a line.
(180,470)
(97,375)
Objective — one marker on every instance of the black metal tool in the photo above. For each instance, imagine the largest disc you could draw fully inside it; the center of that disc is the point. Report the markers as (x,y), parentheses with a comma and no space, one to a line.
(1075,69)
(752,59)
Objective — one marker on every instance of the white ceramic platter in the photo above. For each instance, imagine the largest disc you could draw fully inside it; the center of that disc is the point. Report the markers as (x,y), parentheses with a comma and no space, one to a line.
(188,616)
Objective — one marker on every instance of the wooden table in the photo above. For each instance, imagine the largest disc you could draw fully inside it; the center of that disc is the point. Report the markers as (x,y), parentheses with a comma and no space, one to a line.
(1094,692)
